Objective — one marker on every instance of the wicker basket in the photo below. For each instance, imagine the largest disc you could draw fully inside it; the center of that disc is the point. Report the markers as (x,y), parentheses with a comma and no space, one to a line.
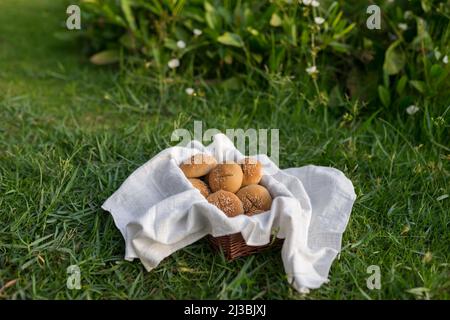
(234,246)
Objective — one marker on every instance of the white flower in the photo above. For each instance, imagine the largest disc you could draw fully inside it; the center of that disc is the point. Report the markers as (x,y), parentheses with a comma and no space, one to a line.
(190,91)
(307,2)
(408,14)
(311,70)
(319,20)
(412,109)
(445,59)
(173,63)
(197,32)
(437,53)
(181,44)
(315,3)
(403,26)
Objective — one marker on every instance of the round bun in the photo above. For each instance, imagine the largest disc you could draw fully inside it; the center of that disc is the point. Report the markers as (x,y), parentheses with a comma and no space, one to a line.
(252,170)
(225,176)
(226,201)
(201,186)
(253,212)
(198,165)
(255,197)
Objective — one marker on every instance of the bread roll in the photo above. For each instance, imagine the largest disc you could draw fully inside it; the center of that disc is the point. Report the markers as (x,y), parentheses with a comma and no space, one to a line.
(201,186)
(226,201)
(252,171)
(255,197)
(198,165)
(225,176)
(253,212)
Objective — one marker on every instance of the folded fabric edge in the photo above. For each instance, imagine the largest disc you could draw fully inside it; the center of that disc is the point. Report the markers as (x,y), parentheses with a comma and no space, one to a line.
(130,254)
(345,190)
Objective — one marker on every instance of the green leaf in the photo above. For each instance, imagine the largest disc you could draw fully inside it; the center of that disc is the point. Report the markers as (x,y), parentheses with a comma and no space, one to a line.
(230,39)
(212,17)
(419,85)
(418,291)
(179,5)
(126,8)
(436,71)
(426,5)
(423,38)
(345,31)
(253,31)
(394,59)
(401,84)
(384,95)
(258,58)
(337,19)
(275,20)
(340,47)
(105,57)
(170,44)
(209,7)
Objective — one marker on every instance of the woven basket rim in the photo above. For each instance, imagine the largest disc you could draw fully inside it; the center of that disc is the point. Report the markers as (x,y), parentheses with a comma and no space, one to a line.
(234,245)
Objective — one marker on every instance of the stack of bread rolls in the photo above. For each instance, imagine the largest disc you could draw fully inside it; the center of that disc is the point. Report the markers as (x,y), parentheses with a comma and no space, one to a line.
(232,187)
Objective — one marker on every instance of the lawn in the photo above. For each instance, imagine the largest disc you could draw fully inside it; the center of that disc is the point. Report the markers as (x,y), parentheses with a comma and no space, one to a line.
(72,132)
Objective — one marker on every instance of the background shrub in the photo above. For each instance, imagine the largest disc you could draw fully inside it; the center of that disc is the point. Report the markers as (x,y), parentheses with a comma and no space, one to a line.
(404,63)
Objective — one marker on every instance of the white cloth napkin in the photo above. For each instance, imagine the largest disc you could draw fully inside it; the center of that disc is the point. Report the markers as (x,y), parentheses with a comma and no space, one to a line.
(158,212)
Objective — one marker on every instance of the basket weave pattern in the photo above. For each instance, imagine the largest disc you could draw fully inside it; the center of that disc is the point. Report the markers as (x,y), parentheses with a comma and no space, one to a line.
(234,246)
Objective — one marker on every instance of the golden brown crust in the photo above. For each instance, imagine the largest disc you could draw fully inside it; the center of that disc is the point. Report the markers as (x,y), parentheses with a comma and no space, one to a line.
(225,176)
(198,165)
(255,197)
(253,212)
(200,186)
(252,171)
(226,201)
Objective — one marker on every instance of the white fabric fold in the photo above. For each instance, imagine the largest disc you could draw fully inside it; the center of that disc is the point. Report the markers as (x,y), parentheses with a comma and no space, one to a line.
(158,212)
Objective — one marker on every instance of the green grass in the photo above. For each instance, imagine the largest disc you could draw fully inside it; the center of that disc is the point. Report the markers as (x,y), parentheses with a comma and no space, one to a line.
(71,133)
